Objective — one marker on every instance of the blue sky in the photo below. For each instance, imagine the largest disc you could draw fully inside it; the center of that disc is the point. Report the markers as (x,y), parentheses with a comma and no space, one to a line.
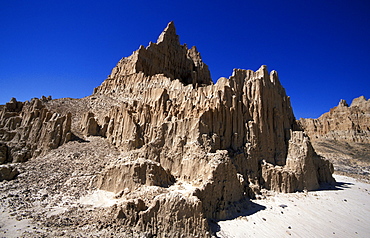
(320,49)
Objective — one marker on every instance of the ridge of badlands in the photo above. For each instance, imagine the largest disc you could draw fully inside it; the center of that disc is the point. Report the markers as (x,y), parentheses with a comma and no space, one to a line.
(342,136)
(176,151)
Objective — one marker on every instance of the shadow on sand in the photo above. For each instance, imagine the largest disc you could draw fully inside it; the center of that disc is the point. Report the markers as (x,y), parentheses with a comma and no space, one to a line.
(78,139)
(247,208)
(334,186)
(250,208)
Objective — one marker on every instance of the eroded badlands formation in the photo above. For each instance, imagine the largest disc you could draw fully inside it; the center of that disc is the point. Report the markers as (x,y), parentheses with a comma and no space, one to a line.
(343,122)
(343,136)
(186,151)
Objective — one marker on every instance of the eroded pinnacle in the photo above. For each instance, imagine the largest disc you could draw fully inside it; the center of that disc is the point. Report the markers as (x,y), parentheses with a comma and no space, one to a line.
(169,34)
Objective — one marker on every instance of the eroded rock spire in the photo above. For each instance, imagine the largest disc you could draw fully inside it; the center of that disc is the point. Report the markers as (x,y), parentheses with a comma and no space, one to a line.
(166,57)
(179,153)
(169,34)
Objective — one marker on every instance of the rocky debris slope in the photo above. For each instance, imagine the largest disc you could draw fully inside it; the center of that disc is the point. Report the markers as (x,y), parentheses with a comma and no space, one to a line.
(182,150)
(47,192)
(343,135)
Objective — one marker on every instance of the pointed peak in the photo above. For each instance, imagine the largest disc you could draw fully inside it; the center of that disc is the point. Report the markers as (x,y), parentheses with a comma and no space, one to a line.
(169,34)
(171,24)
(342,103)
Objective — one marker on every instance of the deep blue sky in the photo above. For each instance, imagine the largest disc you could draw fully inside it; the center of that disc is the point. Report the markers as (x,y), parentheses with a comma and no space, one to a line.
(321,49)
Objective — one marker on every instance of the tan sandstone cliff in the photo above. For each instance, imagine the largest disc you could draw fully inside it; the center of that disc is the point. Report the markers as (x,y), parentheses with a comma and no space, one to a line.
(343,122)
(226,140)
(189,150)
(343,135)
(28,130)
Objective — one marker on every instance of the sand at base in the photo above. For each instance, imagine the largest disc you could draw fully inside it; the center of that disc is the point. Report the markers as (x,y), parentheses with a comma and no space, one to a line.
(340,212)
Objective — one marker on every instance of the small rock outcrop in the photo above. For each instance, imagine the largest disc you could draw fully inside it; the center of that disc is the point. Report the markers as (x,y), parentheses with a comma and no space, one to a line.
(29,129)
(131,174)
(8,172)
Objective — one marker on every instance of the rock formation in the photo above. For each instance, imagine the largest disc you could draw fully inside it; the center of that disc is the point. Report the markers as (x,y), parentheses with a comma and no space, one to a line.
(189,150)
(343,122)
(227,140)
(166,57)
(343,135)
(29,129)
(8,172)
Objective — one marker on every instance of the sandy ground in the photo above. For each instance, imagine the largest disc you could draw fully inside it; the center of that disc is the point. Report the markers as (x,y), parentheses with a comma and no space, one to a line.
(337,211)
(11,227)
(340,211)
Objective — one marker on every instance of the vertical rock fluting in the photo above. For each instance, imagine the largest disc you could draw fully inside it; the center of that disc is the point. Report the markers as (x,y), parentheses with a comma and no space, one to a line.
(166,57)
(191,150)
(29,129)
(227,140)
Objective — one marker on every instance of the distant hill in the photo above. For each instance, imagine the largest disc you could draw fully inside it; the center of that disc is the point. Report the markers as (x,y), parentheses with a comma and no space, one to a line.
(343,136)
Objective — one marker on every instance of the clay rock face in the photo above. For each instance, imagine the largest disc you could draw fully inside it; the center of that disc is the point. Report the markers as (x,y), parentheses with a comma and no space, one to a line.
(226,140)
(188,151)
(342,136)
(3,153)
(166,57)
(130,175)
(90,126)
(304,168)
(344,123)
(171,214)
(186,219)
(29,129)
